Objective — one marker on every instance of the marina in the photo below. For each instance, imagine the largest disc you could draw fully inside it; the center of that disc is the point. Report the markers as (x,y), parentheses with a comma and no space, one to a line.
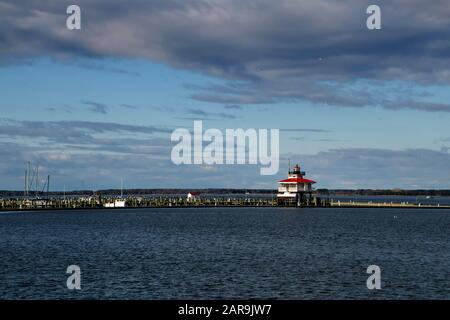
(295,191)
(183,202)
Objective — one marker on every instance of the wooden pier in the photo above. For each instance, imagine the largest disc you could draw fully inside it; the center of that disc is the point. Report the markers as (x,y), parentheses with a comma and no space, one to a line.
(182,202)
(373,204)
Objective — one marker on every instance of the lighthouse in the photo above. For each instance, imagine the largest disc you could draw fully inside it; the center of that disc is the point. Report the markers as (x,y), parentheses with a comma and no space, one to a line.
(296,189)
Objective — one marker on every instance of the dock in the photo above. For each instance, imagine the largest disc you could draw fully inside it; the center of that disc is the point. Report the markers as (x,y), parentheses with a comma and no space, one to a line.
(296,191)
(182,202)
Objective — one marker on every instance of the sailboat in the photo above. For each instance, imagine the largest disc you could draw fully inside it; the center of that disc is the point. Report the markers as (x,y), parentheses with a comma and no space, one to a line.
(117,203)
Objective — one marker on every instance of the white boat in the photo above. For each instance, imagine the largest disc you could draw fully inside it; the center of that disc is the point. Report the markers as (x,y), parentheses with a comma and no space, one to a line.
(115,204)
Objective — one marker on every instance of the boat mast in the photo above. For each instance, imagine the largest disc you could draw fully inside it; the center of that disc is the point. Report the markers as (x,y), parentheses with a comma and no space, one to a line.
(26,185)
(37,180)
(48,186)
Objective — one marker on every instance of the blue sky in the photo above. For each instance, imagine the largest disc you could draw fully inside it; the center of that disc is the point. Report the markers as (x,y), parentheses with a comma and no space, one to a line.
(357,109)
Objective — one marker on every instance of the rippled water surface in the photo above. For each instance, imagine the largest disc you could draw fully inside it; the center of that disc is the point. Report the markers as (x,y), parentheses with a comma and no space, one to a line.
(283,253)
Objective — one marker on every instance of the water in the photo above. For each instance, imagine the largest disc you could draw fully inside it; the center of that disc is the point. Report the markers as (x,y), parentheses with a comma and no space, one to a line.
(212,253)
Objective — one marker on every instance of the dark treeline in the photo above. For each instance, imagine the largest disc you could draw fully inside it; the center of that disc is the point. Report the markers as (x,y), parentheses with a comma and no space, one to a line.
(138,192)
(385,192)
(142,192)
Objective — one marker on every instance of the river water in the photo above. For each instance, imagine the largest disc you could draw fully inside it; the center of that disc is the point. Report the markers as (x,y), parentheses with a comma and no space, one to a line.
(226,253)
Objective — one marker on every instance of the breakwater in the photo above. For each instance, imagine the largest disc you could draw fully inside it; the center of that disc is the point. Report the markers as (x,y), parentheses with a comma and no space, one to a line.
(130,202)
(168,202)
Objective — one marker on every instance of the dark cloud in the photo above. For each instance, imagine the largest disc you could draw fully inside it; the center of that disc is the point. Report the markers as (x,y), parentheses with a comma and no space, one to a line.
(305,130)
(196,118)
(96,107)
(74,151)
(378,168)
(65,109)
(327,140)
(89,65)
(95,152)
(198,112)
(267,51)
(417,105)
(75,132)
(273,91)
(211,115)
(96,168)
(316,140)
(131,107)
(233,107)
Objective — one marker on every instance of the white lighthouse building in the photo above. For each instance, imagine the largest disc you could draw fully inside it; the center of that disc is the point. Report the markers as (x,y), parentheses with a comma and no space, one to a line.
(295,190)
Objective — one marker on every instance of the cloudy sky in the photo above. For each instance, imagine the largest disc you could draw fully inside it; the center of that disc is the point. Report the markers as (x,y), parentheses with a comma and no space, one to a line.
(357,108)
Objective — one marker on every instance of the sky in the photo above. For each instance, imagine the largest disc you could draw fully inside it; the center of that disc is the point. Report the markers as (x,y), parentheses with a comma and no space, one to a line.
(357,108)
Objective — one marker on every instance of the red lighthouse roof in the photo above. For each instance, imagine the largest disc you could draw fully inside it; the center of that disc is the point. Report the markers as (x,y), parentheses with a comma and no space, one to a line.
(298,180)
(297,176)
